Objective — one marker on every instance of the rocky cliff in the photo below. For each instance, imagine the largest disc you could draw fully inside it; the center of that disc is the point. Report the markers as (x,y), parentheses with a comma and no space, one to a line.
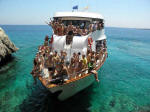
(6,46)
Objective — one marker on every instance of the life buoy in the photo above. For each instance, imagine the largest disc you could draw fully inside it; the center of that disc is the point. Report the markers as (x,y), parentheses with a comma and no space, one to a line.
(90,41)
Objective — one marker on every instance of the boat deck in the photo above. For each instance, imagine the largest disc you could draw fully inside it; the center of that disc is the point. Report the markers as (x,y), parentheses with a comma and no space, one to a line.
(49,85)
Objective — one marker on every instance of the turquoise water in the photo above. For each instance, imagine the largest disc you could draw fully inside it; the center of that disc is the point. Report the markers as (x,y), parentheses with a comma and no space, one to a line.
(124,78)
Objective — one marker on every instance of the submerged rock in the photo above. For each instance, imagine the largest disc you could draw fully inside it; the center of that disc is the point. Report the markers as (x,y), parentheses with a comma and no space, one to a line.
(6,47)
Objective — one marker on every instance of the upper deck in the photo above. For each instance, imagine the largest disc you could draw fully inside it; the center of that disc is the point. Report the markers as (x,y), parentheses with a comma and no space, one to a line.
(78,14)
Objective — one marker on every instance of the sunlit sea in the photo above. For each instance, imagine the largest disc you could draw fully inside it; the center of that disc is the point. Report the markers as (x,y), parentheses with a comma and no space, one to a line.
(124,78)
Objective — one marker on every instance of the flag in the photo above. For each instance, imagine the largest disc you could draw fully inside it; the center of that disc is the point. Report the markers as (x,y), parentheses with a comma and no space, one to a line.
(86,8)
(75,7)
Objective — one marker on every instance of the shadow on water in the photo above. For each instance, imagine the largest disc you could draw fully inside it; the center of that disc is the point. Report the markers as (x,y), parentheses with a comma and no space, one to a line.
(41,100)
(4,62)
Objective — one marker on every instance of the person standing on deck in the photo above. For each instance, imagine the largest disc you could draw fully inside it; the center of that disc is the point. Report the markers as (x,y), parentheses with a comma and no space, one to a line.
(46,40)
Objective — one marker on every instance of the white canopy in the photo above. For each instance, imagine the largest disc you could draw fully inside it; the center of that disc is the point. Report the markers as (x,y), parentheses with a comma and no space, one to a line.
(79,44)
(79,14)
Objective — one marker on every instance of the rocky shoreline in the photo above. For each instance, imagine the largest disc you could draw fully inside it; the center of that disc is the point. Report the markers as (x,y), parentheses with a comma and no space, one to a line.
(6,48)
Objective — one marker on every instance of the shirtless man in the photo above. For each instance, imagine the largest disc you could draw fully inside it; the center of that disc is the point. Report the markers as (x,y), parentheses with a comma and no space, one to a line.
(80,67)
(70,27)
(50,66)
(72,68)
(55,28)
(60,28)
(53,24)
(64,70)
(55,58)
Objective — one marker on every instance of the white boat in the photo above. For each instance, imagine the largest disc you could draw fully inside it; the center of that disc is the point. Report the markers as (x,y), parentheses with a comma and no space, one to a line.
(79,44)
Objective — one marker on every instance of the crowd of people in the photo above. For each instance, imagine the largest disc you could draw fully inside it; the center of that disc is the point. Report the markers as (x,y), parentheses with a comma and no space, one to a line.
(80,30)
(59,68)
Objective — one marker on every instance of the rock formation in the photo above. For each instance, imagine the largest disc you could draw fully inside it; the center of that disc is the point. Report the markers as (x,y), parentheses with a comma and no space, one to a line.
(6,47)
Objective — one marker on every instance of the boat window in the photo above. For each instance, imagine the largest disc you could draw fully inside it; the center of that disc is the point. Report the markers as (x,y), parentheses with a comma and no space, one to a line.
(81,23)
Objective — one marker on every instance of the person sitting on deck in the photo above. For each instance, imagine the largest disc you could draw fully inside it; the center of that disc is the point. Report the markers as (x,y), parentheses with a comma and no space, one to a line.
(76,58)
(62,55)
(46,60)
(37,70)
(61,73)
(74,55)
(80,67)
(55,58)
(97,58)
(51,64)
(89,57)
(59,67)
(64,71)
(71,68)
(41,58)
(91,67)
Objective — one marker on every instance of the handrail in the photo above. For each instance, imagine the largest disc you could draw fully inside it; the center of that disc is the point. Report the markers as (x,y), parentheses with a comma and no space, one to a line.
(74,79)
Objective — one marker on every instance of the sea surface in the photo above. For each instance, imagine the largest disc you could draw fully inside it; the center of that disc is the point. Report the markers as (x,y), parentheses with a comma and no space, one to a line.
(124,78)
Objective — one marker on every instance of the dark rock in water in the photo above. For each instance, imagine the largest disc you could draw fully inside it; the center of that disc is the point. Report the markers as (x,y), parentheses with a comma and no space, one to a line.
(112,103)
(6,48)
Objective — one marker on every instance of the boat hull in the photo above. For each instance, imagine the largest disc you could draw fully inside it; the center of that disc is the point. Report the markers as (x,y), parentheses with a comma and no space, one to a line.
(70,89)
